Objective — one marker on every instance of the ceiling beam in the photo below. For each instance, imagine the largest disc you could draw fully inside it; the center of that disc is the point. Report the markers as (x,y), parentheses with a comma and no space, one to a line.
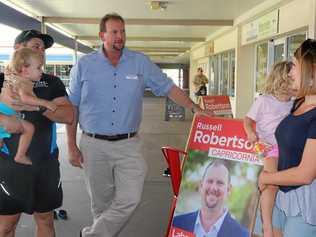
(143,21)
(140,38)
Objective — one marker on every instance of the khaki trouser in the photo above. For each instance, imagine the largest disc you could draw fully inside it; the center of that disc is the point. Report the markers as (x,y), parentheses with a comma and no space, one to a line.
(114,173)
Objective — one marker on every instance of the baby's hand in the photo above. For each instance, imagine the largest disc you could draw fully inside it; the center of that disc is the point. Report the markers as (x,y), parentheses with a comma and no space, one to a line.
(51,106)
(252,137)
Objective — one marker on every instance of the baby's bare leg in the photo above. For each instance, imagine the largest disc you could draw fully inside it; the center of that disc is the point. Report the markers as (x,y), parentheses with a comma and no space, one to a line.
(24,143)
(268,197)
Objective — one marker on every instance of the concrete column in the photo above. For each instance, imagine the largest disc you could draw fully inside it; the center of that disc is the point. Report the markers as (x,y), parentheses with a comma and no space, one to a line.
(244,81)
(312,26)
(44,31)
(43,26)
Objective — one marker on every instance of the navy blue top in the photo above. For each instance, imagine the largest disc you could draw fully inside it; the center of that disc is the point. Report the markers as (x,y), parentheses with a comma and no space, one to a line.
(291,135)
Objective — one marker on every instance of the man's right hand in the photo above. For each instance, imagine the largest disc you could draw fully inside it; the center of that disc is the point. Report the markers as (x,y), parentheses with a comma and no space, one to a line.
(11,124)
(75,156)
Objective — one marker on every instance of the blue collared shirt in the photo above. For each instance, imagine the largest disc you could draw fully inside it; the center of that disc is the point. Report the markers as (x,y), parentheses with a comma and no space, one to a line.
(110,98)
(199,230)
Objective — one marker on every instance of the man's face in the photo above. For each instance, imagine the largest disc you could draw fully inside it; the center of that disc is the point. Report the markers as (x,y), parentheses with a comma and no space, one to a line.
(35,44)
(114,38)
(215,188)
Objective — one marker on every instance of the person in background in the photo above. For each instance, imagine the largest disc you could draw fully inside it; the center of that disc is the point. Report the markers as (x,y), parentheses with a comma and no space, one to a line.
(199,82)
(296,137)
(34,189)
(213,218)
(107,88)
(260,123)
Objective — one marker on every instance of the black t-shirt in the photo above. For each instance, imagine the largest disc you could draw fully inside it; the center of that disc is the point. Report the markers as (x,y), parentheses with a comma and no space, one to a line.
(43,145)
(291,134)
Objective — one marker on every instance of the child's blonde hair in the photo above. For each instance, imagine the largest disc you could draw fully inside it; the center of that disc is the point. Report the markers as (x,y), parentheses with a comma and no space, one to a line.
(279,81)
(22,58)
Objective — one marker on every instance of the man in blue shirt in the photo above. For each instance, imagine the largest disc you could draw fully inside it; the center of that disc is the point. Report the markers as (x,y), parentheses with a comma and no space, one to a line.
(213,218)
(107,90)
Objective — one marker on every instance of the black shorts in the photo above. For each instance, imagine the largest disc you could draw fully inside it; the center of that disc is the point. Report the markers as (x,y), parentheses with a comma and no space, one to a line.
(24,188)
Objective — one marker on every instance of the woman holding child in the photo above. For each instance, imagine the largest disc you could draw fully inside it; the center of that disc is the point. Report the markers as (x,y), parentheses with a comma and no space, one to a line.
(296,137)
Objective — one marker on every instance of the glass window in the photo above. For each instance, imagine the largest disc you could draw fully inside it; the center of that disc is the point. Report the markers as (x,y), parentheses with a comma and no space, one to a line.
(216,70)
(293,43)
(224,74)
(212,79)
(50,69)
(176,75)
(279,53)
(232,74)
(61,71)
(261,65)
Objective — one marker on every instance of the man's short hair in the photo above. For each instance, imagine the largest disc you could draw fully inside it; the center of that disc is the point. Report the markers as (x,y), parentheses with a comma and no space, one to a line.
(27,35)
(107,17)
(216,163)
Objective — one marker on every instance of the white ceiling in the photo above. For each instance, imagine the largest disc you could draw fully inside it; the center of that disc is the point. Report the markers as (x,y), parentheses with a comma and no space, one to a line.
(166,37)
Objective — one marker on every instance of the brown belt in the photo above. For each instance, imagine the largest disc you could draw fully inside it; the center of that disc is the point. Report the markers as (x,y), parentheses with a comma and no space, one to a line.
(111,137)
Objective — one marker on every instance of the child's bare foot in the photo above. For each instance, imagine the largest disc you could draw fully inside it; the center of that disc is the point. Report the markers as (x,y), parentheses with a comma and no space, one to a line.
(23,160)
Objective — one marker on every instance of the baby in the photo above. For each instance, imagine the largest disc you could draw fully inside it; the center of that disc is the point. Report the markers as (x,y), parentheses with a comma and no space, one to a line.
(24,68)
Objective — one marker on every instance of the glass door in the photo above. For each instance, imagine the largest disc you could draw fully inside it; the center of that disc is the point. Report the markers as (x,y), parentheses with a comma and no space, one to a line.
(279,50)
(261,66)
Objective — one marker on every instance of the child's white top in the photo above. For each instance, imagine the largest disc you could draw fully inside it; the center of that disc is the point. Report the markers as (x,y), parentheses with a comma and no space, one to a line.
(268,112)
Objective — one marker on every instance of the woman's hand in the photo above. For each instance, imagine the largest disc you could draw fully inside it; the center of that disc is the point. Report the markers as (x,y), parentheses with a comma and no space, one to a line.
(252,136)
(261,180)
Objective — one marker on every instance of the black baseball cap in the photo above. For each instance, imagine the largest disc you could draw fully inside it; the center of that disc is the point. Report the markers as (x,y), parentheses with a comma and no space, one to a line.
(26,35)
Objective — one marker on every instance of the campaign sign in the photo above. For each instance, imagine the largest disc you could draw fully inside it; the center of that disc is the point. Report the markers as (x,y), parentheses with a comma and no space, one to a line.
(218,190)
(222,138)
(173,110)
(218,104)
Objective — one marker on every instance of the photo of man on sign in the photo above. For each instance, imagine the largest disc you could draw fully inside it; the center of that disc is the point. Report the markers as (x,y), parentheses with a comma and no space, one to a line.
(213,217)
